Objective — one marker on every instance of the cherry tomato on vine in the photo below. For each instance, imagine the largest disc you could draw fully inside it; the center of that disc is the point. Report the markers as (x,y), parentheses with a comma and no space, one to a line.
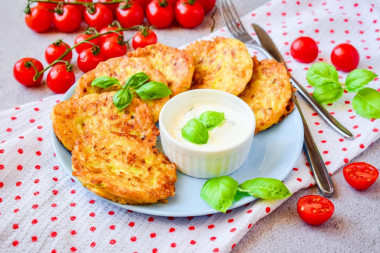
(24,72)
(98,17)
(360,175)
(112,7)
(110,35)
(113,47)
(207,5)
(60,78)
(49,6)
(129,14)
(89,58)
(55,50)
(314,209)
(304,49)
(143,38)
(189,13)
(39,19)
(81,8)
(82,37)
(67,19)
(160,13)
(345,57)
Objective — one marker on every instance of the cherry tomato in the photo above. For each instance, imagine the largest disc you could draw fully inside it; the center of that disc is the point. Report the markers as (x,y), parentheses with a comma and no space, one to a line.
(144,38)
(55,50)
(68,19)
(345,57)
(314,209)
(99,18)
(112,7)
(129,14)
(144,3)
(88,59)
(39,19)
(82,37)
(110,35)
(304,49)
(189,13)
(112,47)
(24,72)
(81,8)
(207,5)
(360,175)
(160,13)
(49,6)
(60,78)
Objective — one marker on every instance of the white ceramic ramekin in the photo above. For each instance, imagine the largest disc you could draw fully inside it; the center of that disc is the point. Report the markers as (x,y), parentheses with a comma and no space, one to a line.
(210,163)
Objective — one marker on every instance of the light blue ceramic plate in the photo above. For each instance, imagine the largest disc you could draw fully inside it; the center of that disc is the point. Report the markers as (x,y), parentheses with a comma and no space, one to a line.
(273,154)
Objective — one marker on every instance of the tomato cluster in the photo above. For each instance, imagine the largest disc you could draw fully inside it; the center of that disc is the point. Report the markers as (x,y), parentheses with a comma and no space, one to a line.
(92,48)
(160,13)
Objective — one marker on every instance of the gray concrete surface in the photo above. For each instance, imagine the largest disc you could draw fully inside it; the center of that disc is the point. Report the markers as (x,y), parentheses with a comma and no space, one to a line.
(355,225)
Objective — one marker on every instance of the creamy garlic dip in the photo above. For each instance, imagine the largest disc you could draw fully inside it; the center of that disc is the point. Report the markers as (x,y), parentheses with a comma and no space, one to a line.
(231,132)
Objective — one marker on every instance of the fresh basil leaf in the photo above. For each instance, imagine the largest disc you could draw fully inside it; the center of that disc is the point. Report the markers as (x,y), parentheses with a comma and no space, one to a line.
(219,192)
(240,194)
(366,103)
(265,188)
(194,131)
(328,92)
(122,98)
(153,90)
(211,119)
(321,73)
(104,82)
(359,78)
(137,80)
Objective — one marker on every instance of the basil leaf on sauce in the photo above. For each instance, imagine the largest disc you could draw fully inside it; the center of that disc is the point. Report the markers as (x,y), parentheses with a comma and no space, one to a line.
(265,188)
(194,131)
(211,119)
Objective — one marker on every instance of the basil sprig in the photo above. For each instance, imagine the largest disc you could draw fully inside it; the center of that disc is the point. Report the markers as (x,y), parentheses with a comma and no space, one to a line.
(196,130)
(136,83)
(324,78)
(221,192)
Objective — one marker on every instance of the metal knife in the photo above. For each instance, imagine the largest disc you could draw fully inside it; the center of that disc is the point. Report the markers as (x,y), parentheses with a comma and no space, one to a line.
(321,176)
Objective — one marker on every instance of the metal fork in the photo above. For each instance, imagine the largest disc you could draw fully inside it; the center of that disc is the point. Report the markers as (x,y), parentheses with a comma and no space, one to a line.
(320,173)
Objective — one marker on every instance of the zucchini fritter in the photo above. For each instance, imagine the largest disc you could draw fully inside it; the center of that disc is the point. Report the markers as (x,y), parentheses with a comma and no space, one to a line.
(122,68)
(124,169)
(268,93)
(96,114)
(222,64)
(176,65)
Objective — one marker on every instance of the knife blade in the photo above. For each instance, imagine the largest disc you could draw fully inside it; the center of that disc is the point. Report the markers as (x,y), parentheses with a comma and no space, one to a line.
(268,44)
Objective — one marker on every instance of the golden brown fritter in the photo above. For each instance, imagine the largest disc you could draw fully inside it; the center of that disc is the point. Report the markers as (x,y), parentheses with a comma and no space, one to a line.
(122,68)
(176,65)
(123,169)
(222,64)
(96,114)
(268,93)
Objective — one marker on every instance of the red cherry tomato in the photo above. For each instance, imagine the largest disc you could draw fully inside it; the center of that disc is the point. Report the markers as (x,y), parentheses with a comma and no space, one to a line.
(49,6)
(207,5)
(112,48)
(81,8)
(60,78)
(144,38)
(110,35)
(360,175)
(24,72)
(39,19)
(345,57)
(314,209)
(101,17)
(129,14)
(112,7)
(160,13)
(144,3)
(55,50)
(68,19)
(189,13)
(82,37)
(304,49)
(88,60)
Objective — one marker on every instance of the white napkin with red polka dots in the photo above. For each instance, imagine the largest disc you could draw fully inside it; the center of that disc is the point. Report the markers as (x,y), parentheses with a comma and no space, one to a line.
(43,210)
